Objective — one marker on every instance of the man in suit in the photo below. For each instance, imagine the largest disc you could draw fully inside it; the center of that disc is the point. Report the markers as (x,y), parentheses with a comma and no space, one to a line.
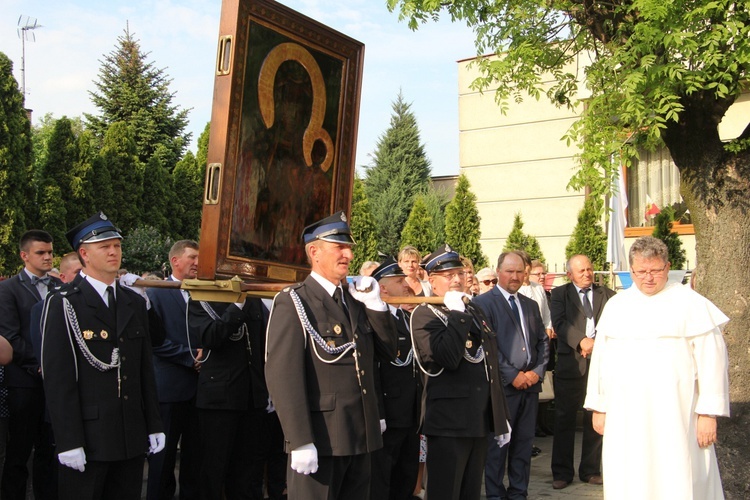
(176,364)
(321,376)
(575,309)
(463,400)
(98,372)
(523,348)
(395,466)
(26,426)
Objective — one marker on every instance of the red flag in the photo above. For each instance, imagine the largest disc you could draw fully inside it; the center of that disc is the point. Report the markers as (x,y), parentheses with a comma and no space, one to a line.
(651,208)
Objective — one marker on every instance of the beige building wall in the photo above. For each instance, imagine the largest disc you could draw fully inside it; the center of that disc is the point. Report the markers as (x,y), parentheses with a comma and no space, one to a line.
(518,162)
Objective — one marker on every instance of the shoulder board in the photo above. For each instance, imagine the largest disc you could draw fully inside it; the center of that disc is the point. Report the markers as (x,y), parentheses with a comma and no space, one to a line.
(292,287)
(64,289)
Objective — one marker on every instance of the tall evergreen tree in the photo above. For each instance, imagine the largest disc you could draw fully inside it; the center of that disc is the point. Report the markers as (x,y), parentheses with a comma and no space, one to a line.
(201,156)
(663,230)
(364,230)
(131,89)
(518,240)
(187,188)
(157,194)
(419,230)
(15,167)
(462,231)
(436,202)
(399,172)
(145,249)
(588,236)
(118,155)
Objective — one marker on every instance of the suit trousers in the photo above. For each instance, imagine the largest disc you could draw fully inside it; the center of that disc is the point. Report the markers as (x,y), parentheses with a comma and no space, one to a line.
(119,480)
(570,394)
(180,421)
(395,467)
(337,478)
(27,430)
(267,455)
(225,454)
(523,406)
(454,467)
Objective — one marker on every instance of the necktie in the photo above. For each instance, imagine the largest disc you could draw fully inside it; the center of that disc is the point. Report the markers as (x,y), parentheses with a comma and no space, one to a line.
(340,300)
(111,304)
(587,309)
(514,308)
(43,280)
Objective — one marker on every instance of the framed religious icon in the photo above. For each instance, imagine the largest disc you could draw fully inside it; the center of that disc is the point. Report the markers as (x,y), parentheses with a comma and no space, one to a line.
(282,142)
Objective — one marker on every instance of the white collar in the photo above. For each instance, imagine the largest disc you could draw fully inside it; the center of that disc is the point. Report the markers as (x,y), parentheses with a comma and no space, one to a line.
(99,286)
(326,284)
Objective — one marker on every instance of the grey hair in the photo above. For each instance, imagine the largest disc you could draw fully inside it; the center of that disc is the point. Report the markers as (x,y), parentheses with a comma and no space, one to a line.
(648,247)
(486,271)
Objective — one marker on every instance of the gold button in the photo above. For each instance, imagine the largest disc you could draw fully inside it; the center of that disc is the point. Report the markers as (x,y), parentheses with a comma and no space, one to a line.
(125,397)
(362,372)
(364,391)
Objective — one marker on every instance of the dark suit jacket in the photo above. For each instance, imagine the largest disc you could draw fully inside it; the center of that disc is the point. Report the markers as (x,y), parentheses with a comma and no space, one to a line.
(17,297)
(401,385)
(110,418)
(229,378)
(510,340)
(455,403)
(569,322)
(318,400)
(176,379)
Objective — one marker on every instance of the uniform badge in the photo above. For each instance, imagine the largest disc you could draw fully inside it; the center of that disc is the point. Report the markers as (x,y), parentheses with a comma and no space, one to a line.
(331,343)
(88,334)
(104,334)
(469,344)
(343,217)
(398,353)
(337,329)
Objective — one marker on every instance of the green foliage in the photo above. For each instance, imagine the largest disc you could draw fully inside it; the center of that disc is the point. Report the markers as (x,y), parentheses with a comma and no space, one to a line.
(436,202)
(364,230)
(418,230)
(118,155)
(400,171)
(518,240)
(663,230)
(132,90)
(52,216)
(157,194)
(15,167)
(187,201)
(462,231)
(588,236)
(202,154)
(145,249)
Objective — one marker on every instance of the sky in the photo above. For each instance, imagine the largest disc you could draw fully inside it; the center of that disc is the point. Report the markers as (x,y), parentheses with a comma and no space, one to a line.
(64,58)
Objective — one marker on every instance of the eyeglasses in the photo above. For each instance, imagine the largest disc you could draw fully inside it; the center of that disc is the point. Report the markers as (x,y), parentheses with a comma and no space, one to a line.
(653,272)
(489,282)
(451,276)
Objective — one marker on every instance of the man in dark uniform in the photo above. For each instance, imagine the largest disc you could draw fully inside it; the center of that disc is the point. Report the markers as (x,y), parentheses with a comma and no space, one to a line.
(320,367)
(229,388)
(463,399)
(98,373)
(395,466)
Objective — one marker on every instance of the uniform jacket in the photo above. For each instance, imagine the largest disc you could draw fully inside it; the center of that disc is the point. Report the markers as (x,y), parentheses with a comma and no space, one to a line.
(466,399)
(85,405)
(401,385)
(319,401)
(176,379)
(569,321)
(510,340)
(230,379)
(17,297)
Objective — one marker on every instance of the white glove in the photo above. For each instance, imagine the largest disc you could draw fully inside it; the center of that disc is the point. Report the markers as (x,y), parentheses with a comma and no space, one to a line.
(75,459)
(156,442)
(270,408)
(455,300)
(127,281)
(382,425)
(504,439)
(370,299)
(305,459)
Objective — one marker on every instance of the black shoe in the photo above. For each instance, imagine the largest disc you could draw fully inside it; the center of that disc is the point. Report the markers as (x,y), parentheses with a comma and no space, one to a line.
(535,451)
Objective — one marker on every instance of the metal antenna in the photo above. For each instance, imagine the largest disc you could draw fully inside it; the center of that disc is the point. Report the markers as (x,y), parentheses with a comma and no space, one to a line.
(26,25)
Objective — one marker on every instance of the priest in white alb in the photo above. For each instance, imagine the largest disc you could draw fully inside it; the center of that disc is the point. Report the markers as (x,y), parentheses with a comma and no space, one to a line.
(658,380)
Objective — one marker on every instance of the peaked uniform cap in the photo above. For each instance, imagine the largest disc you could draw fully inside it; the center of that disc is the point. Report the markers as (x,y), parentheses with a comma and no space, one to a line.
(441,259)
(334,228)
(389,268)
(96,228)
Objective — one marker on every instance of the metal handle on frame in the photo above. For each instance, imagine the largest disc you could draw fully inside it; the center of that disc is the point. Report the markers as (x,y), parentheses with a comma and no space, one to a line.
(213,184)
(224,56)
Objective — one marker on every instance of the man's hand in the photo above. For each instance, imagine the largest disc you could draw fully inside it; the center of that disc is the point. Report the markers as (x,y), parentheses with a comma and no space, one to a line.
(305,459)
(551,333)
(454,300)
(597,421)
(586,345)
(521,382)
(531,377)
(198,358)
(156,442)
(365,289)
(75,459)
(706,431)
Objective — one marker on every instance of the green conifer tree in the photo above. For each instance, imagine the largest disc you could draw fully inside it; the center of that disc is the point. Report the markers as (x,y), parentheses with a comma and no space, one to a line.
(157,195)
(399,172)
(118,155)
(663,230)
(518,240)
(15,167)
(462,230)
(436,202)
(145,249)
(588,236)
(419,230)
(364,230)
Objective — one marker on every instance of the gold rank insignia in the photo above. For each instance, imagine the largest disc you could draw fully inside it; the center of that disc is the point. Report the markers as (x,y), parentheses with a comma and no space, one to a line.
(331,343)
(469,343)
(398,353)
(337,329)
(88,334)
(104,334)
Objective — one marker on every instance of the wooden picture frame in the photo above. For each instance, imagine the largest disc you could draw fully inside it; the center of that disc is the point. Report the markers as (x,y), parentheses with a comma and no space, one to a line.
(282,141)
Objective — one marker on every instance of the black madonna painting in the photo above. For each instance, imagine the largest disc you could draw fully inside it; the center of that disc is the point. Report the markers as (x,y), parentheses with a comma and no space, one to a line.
(290,139)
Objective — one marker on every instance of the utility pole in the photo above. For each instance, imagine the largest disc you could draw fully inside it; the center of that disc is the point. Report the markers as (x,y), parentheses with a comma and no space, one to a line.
(26,27)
